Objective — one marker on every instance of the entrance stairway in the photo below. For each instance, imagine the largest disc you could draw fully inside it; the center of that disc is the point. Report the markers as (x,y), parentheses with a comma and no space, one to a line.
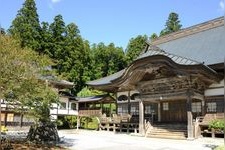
(170,131)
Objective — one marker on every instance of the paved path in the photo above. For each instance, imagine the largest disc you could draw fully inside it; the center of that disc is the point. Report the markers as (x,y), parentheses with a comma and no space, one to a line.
(103,140)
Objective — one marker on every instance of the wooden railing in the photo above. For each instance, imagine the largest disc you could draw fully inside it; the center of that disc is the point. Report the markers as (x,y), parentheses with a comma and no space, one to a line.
(202,123)
(90,112)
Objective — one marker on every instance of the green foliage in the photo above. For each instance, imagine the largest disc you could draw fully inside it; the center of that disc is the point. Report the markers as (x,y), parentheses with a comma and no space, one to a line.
(153,36)
(19,81)
(217,124)
(59,122)
(57,31)
(172,24)
(75,63)
(26,26)
(70,52)
(221,147)
(89,123)
(73,58)
(106,60)
(89,92)
(135,47)
(93,124)
(72,121)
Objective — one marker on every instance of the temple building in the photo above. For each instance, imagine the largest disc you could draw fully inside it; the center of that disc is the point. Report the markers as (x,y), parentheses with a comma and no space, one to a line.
(176,83)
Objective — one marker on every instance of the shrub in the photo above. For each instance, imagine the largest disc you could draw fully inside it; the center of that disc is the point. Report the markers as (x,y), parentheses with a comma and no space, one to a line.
(217,124)
(221,147)
(3,129)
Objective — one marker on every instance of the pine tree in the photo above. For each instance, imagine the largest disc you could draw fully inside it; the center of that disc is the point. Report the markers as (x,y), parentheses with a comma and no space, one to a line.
(26,26)
(135,47)
(57,31)
(172,24)
(75,60)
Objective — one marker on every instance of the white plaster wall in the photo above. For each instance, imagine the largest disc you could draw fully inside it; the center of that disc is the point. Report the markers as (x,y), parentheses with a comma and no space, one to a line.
(67,111)
(126,93)
(215,89)
(63,112)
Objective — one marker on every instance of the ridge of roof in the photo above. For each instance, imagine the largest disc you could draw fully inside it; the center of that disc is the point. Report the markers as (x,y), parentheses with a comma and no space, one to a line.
(154,50)
(217,22)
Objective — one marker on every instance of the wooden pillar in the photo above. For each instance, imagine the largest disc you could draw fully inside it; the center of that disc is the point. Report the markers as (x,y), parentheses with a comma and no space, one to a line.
(129,105)
(110,109)
(141,117)
(21,120)
(203,107)
(159,112)
(116,104)
(78,122)
(189,116)
(101,104)
(5,118)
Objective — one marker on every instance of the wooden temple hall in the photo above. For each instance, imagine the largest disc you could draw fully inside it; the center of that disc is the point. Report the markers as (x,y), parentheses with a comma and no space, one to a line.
(175,87)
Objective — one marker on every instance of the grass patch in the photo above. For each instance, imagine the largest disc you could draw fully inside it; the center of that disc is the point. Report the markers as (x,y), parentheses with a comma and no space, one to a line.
(221,147)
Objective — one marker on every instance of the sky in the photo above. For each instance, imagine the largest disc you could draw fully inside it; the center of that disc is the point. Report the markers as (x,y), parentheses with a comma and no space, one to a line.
(117,21)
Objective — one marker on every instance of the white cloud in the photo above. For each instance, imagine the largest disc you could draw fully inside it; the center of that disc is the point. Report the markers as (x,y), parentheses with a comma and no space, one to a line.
(222,5)
(55,1)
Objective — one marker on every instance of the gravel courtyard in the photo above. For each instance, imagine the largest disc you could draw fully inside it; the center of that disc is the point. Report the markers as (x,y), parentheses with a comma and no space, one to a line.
(103,140)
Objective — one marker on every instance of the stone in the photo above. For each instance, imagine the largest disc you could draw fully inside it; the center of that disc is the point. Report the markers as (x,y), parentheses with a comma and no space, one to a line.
(43,133)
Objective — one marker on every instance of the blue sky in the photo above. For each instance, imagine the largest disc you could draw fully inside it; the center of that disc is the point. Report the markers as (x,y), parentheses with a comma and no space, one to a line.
(117,20)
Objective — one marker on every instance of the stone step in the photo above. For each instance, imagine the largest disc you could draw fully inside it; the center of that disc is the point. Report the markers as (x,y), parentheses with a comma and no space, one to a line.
(173,135)
(171,126)
(167,136)
(169,130)
(172,131)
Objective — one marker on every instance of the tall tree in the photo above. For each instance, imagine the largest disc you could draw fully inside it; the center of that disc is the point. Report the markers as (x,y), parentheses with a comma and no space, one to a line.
(135,46)
(107,60)
(172,24)
(19,81)
(46,40)
(153,36)
(74,59)
(57,30)
(26,26)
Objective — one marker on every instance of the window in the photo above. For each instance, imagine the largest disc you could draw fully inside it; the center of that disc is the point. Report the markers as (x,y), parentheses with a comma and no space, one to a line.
(10,117)
(134,109)
(122,109)
(73,106)
(211,107)
(2,117)
(62,105)
(165,106)
(148,109)
(135,96)
(122,98)
(196,107)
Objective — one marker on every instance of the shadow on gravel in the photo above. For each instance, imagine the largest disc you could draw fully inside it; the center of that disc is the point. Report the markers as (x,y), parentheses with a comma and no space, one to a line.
(210,146)
(67,142)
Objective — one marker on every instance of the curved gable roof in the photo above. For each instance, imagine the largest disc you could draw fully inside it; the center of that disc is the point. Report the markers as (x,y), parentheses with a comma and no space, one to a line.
(154,53)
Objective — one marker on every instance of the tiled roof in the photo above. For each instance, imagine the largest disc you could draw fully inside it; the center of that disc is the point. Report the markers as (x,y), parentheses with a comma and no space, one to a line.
(107,79)
(92,98)
(204,42)
(153,50)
